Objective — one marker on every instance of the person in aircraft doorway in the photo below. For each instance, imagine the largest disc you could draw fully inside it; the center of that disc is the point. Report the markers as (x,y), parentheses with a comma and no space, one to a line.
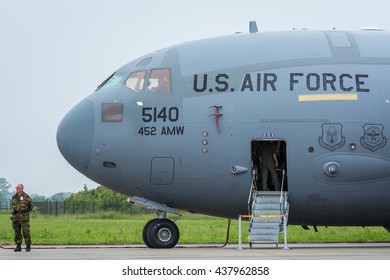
(269,163)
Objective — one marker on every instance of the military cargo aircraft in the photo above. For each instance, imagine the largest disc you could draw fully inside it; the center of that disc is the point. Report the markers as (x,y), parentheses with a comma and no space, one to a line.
(182,128)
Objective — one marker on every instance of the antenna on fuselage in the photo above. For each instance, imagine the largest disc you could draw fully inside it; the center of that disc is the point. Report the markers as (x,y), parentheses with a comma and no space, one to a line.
(253,27)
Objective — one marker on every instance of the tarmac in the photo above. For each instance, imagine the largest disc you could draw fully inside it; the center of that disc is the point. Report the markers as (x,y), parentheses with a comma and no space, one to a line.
(314,251)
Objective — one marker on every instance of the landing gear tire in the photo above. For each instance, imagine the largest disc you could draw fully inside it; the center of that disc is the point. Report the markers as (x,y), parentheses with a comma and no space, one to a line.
(145,233)
(160,233)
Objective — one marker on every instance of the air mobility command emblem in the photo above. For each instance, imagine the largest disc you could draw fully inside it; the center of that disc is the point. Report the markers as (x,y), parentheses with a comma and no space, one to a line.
(332,137)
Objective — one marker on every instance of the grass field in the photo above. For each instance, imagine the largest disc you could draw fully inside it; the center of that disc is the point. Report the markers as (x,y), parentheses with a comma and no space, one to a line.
(114,228)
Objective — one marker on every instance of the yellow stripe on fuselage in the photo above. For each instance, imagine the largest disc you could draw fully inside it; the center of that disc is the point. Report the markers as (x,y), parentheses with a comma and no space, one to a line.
(328,97)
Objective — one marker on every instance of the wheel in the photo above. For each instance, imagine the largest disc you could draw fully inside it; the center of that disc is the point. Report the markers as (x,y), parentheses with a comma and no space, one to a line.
(162,233)
(145,231)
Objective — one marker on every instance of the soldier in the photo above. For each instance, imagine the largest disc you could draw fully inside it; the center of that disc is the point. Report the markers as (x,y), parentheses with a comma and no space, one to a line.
(21,206)
(269,163)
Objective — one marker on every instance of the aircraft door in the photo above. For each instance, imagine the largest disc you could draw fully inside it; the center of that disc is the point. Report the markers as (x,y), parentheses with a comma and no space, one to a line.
(269,164)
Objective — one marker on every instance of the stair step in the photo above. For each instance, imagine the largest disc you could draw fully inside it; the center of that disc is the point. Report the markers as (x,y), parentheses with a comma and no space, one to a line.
(275,206)
(264,231)
(268,193)
(266,216)
(268,199)
(263,238)
(265,226)
(266,220)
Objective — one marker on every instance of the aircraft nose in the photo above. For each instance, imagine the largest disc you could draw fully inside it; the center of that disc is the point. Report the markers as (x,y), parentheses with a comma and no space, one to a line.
(75,135)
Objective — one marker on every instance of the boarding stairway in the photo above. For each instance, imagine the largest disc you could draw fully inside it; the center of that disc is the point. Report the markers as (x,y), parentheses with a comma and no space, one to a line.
(269,211)
(268,216)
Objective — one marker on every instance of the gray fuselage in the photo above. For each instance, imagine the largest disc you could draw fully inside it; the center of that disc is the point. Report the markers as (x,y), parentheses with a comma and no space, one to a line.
(325,94)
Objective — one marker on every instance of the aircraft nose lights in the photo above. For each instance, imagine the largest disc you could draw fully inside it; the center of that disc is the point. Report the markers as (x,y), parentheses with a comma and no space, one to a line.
(205,142)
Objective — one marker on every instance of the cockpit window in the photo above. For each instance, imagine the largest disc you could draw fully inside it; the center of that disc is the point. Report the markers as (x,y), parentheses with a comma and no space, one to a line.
(136,80)
(114,80)
(112,112)
(144,62)
(160,81)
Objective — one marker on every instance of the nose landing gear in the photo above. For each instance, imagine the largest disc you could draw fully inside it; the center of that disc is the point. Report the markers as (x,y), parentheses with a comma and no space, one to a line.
(160,233)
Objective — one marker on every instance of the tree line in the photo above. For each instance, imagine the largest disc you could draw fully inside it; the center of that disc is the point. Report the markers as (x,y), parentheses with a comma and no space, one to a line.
(99,199)
(5,195)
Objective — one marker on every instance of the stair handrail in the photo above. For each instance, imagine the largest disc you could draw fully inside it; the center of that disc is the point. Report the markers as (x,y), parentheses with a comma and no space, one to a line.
(250,198)
(283,198)
(252,190)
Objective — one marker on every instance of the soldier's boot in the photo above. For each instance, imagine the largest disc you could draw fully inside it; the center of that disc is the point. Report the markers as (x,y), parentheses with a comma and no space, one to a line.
(28,248)
(18,247)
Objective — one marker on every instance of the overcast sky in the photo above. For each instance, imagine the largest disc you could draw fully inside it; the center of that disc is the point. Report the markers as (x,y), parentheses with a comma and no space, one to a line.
(55,53)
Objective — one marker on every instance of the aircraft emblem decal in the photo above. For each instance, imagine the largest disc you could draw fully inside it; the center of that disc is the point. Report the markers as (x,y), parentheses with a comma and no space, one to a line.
(332,137)
(373,138)
(216,115)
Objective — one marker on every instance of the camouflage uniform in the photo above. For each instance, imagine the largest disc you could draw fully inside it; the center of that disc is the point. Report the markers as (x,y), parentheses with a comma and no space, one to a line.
(267,149)
(21,206)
